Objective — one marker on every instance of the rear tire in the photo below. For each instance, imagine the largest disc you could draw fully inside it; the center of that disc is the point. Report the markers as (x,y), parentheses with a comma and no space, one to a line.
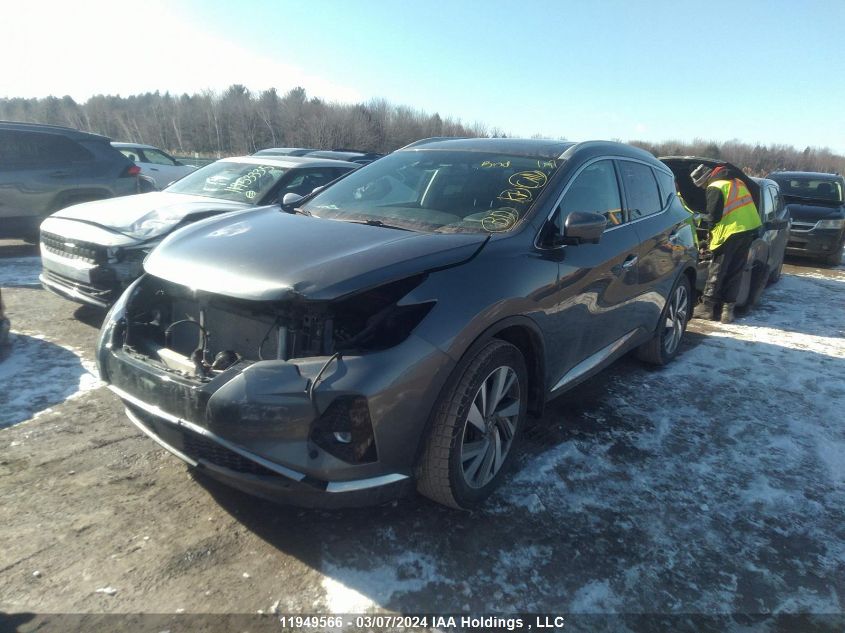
(664,345)
(476,426)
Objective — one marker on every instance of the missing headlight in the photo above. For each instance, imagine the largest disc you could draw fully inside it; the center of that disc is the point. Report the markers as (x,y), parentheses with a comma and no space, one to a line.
(346,431)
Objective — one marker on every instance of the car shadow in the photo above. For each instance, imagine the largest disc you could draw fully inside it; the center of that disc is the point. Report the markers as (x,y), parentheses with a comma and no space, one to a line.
(91,316)
(642,491)
(36,375)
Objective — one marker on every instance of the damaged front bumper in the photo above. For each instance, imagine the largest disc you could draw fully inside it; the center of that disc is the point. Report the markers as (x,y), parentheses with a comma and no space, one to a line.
(315,432)
(87,272)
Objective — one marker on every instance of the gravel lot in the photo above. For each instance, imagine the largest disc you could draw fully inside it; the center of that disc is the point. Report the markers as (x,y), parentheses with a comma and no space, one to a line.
(644,491)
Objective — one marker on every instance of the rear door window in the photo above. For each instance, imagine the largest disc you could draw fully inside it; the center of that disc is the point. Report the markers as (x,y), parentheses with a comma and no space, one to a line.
(157,158)
(667,185)
(769,204)
(640,189)
(29,150)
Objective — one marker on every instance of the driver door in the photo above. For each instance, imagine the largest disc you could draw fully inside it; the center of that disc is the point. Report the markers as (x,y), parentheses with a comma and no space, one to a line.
(597,282)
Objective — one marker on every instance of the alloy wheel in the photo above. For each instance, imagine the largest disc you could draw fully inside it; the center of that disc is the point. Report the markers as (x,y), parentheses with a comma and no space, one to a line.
(490,426)
(677,313)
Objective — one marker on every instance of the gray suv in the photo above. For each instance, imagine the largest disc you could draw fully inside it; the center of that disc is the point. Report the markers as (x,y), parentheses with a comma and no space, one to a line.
(44,168)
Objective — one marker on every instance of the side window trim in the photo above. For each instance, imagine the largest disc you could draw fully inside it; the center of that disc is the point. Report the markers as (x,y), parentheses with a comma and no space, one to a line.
(665,196)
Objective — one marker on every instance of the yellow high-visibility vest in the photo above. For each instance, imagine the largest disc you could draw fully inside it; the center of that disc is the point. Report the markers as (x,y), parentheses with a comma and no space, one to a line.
(691,221)
(738,215)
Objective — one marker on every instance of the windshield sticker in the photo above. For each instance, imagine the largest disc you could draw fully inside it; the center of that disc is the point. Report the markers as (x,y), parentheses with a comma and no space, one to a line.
(500,220)
(547,164)
(492,163)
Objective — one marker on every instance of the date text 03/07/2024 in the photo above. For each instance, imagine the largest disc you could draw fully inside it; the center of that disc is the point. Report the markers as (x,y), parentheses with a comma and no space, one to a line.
(443,622)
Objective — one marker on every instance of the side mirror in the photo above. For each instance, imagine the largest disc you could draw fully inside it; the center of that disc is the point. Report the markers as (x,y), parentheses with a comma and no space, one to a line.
(290,199)
(583,227)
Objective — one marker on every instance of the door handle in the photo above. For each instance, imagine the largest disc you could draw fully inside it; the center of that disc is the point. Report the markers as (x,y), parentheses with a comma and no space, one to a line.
(629,262)
(60,174)
(625,266)
(153,168)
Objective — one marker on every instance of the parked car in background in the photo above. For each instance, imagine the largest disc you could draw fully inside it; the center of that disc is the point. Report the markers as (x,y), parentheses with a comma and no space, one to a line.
(815,202)
(157,165)
(44,168)
(91,252)
(4,327)
(353,156)
(765,257)
(396,328)
(283,151)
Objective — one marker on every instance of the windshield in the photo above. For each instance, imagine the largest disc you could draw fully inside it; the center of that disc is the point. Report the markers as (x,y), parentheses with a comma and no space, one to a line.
(239,182)
(442,191)
(813,188)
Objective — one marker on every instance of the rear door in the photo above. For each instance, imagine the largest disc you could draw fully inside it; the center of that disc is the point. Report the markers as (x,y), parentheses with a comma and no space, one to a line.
(161,167)
(664,233)
(597,282)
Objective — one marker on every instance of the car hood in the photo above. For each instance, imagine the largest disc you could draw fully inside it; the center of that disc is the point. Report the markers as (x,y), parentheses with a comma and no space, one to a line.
(266,255)
(813,212)
(121,214)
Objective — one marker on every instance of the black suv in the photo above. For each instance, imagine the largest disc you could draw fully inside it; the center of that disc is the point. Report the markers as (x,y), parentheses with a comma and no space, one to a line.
(44,168)
(815,201)
(397,327)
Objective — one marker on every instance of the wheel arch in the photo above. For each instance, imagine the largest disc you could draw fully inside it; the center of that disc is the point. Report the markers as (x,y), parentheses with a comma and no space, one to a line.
(524,334)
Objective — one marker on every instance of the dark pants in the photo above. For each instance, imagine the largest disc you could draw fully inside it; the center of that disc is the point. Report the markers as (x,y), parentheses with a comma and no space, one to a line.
(725,274)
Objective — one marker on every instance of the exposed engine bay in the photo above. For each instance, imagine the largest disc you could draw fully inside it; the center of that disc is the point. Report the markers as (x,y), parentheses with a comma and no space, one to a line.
(200,334)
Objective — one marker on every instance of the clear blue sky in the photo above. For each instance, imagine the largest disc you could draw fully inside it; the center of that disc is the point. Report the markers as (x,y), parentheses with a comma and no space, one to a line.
(769,72)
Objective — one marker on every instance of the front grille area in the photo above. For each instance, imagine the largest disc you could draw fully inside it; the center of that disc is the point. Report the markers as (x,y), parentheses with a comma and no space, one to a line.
(200,448)
(74,249)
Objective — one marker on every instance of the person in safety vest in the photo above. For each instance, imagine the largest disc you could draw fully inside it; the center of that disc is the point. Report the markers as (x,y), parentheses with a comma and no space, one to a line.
(733,220)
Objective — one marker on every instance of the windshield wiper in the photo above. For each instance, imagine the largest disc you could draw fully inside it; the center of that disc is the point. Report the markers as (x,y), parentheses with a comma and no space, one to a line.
(296,211)
(381,224)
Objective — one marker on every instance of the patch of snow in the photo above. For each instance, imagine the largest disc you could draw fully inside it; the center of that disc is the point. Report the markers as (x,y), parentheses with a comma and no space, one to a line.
(109,591)
(349,590)
(19,271)
(39,374)
(594,597)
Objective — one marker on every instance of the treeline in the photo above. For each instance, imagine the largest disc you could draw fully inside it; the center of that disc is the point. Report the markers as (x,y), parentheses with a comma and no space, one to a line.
(755,160)
(238,121)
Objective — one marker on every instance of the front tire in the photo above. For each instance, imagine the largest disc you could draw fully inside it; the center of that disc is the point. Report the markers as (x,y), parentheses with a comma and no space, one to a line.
(835,258)
(476,425)
(663,346)
(776,273)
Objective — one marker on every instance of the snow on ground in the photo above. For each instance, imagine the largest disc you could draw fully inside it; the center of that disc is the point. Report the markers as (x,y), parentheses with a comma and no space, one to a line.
(19,271)
(37,375)
(723,474)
